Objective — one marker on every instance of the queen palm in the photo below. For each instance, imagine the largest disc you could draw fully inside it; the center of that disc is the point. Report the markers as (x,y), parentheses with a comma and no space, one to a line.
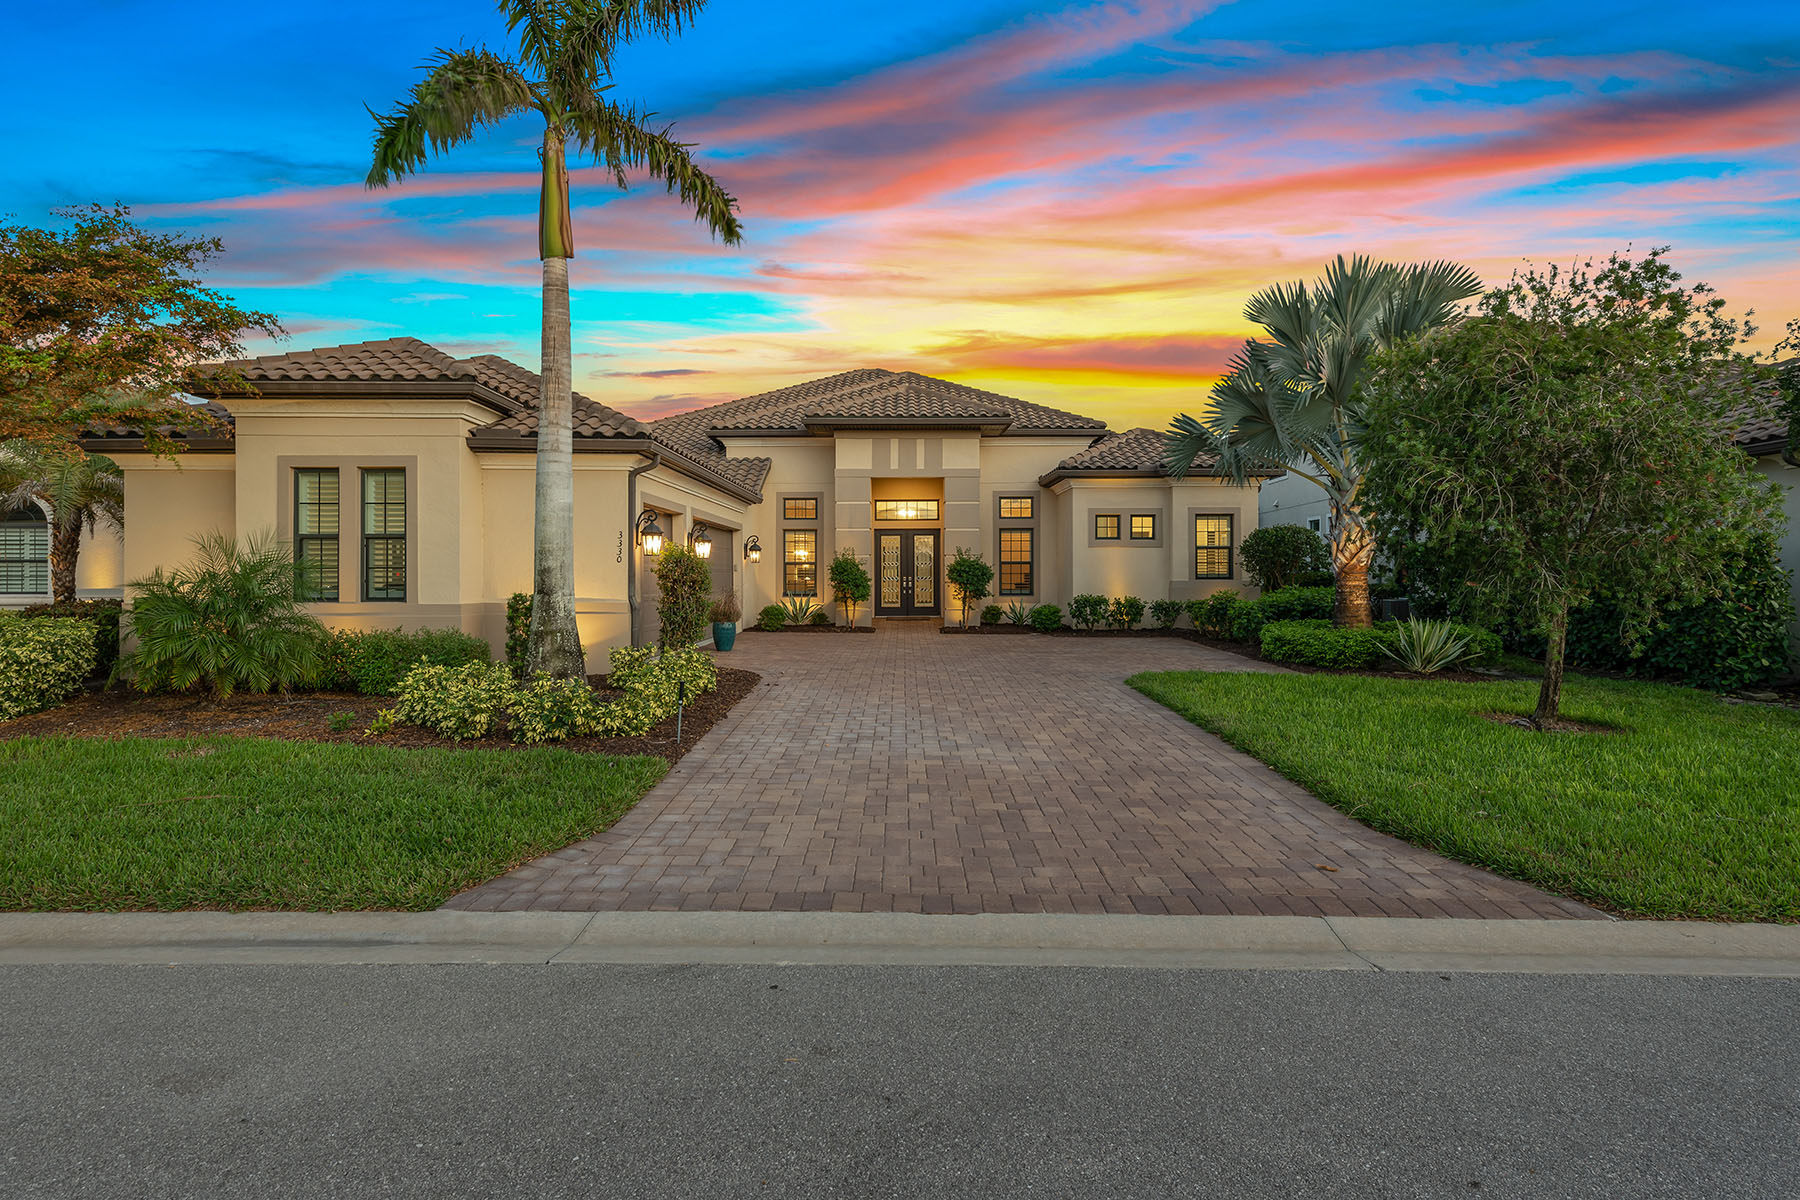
(561,73)
(75,490)
(1290,403)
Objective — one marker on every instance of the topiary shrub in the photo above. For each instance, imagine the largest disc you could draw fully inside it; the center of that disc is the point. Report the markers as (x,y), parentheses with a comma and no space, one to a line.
(228,621)
(1279,556)
(991,614)
(1318,643)
(1046,618)
(455,702)
(1165,613)
(850,585)
(971,576)
(1125,612)
(771,618)
(518,632)
(43,663)
(373,662)
(103,614)
(1088,610)
(1211,615)
(1288,604)
(685,586)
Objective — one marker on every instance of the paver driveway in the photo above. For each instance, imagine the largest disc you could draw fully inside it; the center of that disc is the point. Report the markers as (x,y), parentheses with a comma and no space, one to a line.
(913,771)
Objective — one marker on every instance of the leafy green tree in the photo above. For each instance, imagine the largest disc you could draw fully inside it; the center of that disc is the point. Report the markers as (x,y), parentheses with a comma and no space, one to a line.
(1290,403)
(74,489)
(850,584)
(684,596)
(102,321)
(560,74)
(1276,556)
(1573,440)
(971,576)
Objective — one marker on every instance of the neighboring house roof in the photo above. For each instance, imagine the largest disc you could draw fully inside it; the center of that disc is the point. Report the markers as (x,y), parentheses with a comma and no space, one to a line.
(197,436)
(1761,425)
(1134,453)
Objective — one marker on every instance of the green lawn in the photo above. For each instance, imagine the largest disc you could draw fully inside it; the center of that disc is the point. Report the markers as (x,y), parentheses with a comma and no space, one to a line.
(1690,809)
(240,823)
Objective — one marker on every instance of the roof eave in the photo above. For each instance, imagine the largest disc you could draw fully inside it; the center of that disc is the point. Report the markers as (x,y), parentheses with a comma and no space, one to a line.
(527,444)
(1061,473)
(132,444)
(471,389)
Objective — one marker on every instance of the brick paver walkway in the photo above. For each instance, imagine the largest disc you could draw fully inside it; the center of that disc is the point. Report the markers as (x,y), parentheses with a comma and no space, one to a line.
(913,771)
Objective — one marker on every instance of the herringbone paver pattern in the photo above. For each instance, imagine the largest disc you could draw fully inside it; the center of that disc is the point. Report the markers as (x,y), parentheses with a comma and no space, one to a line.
(918,772)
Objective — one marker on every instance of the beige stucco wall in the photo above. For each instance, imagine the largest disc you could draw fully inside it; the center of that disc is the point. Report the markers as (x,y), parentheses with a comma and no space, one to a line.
(798,467)
(170,503)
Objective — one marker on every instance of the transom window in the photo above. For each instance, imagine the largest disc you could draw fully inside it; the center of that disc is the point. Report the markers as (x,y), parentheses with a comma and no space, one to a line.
(24,552)
(384,534)
(1212,547)
(1015,508)
(316,532)
(799,562)
(1015,562)
(802,508)
(906,510)
(1106,526)
(1143,526)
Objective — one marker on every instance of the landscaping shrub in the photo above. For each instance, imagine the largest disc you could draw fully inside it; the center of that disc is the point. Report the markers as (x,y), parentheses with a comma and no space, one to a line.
(1288,604)
(227,621)
(685,585)
(797,610)
(1317,643)
(373,662)
(991,614)
(549,709)
(850,585)
(1277,556)
(1426,647)
(43,663)
(1165,613)
(102,614)
(1046,618)
(1018,613)
(1211,615)
(518,632)
(1088,610)
(1125,612)
(455,702)
(819,617)
(971,576)
(632,666)
(771,618)
(726,610)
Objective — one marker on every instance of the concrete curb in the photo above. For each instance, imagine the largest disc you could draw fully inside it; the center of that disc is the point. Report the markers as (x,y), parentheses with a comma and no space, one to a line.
(1242,943)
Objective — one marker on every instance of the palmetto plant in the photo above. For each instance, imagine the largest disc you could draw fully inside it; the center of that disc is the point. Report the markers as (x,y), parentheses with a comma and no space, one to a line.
(1427,647)
(229,620)
(561,73)
(1290,402)
(75,490)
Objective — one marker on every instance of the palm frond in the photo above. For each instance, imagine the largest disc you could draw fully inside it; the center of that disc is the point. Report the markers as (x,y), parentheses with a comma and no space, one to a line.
(1425,296)
(591,31)
(463,91)
(620,138)
(534,23)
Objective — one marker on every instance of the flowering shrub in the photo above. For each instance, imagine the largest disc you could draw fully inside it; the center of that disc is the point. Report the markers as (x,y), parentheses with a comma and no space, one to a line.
(43,662)
(455,702)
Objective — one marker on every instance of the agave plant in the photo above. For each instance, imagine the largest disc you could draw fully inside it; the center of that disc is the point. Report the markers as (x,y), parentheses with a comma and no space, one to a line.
(799,610)
(1018,613)
(1427,647)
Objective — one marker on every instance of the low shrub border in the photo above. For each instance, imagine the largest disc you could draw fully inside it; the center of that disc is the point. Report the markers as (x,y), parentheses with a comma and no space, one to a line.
(43,662)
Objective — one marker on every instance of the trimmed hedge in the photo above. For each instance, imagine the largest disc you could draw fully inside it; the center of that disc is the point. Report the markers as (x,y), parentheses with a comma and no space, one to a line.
(1211,615)
(43,663)
(1046,618)
(103,614)
(1316,642)
(373,662)
(1288,604)
(772,618)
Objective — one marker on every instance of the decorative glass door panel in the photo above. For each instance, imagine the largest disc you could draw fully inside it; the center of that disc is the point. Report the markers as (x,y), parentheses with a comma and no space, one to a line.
(906,573)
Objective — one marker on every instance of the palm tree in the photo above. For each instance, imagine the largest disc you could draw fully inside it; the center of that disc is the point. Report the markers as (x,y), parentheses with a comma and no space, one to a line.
(74,489)
(1290,403)
(561,72)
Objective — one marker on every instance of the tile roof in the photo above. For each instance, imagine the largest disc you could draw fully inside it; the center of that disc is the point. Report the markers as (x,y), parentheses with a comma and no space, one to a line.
(1759,420)
(178,429)
(592,419)
(1135,452)
(872,393)
(401,358)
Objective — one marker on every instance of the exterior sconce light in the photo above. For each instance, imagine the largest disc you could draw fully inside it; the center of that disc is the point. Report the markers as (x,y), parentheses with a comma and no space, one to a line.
(649,533)
(753,549)
(698,541)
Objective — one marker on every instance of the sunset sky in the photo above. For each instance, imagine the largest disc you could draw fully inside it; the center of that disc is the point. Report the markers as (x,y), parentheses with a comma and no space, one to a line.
(1067,203)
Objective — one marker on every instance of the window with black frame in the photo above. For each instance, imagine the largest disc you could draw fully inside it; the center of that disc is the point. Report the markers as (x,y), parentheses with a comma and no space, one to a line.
(384,534)
(316,511)
(799,562)
(1212,546)
(24,552)
(1015,562)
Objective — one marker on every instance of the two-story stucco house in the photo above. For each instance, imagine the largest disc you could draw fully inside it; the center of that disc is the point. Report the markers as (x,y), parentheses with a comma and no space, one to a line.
(404,479)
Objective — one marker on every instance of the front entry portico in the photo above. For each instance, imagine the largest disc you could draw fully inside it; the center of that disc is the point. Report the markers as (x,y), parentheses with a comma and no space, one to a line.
(906,573)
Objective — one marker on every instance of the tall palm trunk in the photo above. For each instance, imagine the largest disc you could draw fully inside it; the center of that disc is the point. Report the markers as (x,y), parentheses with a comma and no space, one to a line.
(555,638)
(65,550)
(1352,553)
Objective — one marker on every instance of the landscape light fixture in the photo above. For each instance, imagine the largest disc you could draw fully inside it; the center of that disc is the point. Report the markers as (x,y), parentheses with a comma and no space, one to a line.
(753,549)
(649,533)
(698,541)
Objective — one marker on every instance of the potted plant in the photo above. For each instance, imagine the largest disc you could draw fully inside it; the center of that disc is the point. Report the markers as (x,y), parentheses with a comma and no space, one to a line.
(725,614)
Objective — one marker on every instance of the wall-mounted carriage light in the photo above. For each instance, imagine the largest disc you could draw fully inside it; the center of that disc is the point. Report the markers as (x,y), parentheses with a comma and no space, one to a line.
(698,541)
(753,549)
(649,533)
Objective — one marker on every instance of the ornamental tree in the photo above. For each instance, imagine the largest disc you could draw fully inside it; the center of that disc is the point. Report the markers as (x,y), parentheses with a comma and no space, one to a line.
(75,490)
(1277,556)
(850,584)
(971,576)
(103,321)
(1573,439)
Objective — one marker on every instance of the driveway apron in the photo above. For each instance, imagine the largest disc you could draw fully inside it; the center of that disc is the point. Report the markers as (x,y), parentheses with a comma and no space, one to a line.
(914,771)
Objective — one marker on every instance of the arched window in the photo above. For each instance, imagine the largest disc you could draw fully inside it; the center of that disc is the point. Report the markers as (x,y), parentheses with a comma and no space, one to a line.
(24,552)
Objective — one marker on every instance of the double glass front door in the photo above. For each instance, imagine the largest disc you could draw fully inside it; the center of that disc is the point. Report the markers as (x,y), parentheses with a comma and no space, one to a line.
(906,573)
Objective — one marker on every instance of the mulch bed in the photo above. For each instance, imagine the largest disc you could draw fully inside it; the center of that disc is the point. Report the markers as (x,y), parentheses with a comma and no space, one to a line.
(1557,725)
(810,629)
(306,717)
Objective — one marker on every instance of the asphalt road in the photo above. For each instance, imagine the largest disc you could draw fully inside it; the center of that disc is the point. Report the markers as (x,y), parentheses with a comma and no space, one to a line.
(722,1081)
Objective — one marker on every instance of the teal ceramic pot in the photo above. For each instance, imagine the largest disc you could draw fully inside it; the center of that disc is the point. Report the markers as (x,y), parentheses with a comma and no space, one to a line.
(724,634)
